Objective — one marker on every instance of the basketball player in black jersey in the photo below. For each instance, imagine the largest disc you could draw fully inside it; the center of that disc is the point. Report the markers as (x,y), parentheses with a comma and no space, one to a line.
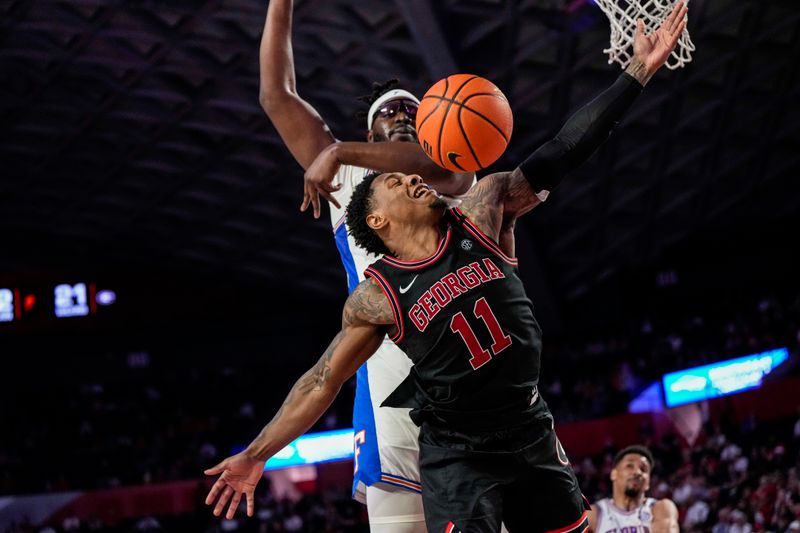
(448,293)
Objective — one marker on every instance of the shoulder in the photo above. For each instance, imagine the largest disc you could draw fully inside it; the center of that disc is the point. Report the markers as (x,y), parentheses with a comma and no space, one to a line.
(367,304)
(487,188)
(664,508)
(483,203)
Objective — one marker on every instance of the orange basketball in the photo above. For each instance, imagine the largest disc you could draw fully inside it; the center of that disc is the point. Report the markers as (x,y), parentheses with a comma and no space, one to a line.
(464,123)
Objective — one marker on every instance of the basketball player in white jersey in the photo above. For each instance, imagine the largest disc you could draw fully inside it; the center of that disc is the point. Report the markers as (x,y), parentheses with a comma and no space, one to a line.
(386,475)
(629,510)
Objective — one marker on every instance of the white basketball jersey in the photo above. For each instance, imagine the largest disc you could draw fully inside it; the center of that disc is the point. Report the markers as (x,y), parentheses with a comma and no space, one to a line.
(386,449)
(612,519)
(349,177)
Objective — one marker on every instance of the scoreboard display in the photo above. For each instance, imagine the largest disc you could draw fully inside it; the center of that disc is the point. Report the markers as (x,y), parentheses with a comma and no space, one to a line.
(59,301)
(7,305)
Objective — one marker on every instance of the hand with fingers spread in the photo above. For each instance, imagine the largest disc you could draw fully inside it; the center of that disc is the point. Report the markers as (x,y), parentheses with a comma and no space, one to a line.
(654,49)
(240,475)
(318,180)
(650,52)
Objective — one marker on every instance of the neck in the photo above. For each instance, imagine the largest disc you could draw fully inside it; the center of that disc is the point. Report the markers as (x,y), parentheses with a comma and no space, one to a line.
(626,503)
(412,243)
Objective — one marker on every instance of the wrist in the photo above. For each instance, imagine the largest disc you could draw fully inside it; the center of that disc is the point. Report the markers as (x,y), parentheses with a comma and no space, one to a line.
(256,452)
(639,71)
(336,151)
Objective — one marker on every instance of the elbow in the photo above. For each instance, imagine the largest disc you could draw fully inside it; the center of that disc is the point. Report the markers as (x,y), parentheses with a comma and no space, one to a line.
(271,98)
(266,99)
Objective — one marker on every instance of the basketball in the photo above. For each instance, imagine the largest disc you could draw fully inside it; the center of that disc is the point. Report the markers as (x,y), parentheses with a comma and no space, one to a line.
(464,123)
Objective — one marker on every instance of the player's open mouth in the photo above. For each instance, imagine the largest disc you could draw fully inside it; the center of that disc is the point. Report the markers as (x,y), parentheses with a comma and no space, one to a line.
(420,191)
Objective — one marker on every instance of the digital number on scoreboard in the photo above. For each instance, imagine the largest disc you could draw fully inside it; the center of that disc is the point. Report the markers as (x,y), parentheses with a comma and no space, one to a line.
(59,300)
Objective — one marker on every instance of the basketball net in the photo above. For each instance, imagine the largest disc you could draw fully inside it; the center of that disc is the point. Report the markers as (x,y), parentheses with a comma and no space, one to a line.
(622,14)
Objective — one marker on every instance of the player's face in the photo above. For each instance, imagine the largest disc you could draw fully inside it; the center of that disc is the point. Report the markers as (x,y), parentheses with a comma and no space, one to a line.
(398,196)
(633,474)
(395,121)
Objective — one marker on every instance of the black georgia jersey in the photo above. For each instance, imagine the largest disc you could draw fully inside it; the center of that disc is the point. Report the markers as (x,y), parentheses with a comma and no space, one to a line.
(464,319)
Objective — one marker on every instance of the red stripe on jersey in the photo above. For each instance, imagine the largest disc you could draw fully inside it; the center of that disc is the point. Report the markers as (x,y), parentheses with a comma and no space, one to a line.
(393,302)
(575,526)
(487,241)
(403,482)
(412,265)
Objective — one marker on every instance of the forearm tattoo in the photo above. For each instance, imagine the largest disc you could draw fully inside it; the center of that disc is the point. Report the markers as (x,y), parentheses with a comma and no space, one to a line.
(638,70)
(366,306)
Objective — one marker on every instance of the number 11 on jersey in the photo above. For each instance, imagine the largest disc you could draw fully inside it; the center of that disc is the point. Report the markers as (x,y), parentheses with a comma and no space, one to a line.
(500,341)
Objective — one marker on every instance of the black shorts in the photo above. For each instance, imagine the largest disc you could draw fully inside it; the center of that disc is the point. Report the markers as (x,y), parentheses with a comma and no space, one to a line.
(521,477)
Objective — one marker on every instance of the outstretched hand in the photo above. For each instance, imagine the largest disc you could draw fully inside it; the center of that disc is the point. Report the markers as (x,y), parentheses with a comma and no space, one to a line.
(653,50)
(240,475)
(318,180)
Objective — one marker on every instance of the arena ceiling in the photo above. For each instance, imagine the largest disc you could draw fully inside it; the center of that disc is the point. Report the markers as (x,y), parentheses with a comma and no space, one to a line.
(132,137)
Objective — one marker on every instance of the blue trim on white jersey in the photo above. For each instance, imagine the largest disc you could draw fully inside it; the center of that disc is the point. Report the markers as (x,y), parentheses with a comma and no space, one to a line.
(369,460)
(347,258)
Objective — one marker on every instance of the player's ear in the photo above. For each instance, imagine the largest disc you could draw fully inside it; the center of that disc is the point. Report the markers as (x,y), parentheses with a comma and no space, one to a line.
(370,137)
(377,220)
(614,474)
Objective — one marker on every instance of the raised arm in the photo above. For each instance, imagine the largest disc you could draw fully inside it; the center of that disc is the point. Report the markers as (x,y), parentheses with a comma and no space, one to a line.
(499,199)
(405,157)
(302,129)
(366,318)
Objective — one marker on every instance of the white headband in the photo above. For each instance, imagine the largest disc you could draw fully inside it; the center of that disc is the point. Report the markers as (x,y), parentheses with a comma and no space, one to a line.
(395,94)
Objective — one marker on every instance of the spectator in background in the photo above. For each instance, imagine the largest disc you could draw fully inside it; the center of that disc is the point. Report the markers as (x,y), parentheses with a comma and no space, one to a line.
(723,524)
(739,523)
(629,509)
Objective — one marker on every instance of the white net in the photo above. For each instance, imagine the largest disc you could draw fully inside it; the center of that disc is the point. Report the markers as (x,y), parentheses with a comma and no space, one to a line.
(622,14)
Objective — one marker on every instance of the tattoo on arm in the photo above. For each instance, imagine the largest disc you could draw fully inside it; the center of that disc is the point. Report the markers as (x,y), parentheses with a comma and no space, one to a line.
(313,380)
(483,203)
(367,305)
(520,196)
(366,315)
(638,70)
(497,200)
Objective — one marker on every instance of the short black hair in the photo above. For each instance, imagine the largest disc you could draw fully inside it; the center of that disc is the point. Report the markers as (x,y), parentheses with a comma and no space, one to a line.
(638,449)
(378,90)
(357,210)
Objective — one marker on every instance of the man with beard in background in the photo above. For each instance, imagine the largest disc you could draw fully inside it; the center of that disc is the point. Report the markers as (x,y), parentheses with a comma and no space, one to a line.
(629,510)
